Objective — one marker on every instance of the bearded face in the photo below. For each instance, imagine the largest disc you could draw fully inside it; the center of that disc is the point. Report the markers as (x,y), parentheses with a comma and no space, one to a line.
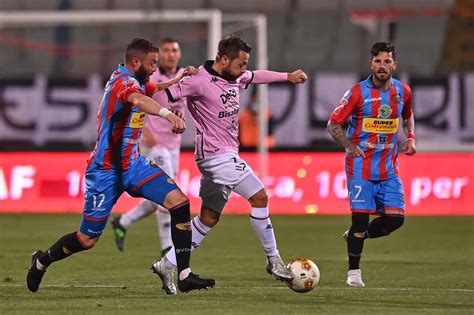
(142,75)
(382,66)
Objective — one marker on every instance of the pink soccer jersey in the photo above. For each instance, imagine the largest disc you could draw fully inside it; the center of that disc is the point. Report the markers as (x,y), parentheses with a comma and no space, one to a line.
(161,128)
(214,105)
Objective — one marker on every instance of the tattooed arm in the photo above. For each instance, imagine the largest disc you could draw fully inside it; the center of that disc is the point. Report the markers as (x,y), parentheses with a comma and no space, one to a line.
(337,133)
(409,147)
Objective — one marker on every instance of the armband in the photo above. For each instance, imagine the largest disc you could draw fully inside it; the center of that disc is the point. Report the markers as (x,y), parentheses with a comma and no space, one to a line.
(164,112)
(411,136)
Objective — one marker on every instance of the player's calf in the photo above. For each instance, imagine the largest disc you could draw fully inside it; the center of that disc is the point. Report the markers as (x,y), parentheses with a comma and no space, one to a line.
(63,248)
(385,225)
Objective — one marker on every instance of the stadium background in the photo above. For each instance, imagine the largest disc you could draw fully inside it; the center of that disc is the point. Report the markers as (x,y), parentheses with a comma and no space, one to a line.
(51,82)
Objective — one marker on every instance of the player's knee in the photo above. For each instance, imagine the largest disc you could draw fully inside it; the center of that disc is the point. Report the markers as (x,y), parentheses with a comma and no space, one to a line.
(360,224)
(393,223)
(175,198)
(260,199)
(87,241)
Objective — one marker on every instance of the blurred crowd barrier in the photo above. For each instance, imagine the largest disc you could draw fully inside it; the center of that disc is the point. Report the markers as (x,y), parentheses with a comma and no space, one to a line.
(59,114)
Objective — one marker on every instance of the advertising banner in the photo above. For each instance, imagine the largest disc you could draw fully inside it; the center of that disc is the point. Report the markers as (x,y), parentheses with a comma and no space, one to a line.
(298,183)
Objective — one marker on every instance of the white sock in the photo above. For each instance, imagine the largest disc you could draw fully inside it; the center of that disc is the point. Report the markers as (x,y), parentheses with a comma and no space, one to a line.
(199,232)
(145,208)
(184,274)
(262,225)
(40,266)
(163,220)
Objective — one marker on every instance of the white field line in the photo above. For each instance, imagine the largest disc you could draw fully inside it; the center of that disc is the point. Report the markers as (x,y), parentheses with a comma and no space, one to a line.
(108,286)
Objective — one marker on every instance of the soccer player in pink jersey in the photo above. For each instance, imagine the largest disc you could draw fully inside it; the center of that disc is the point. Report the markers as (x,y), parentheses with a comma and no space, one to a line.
(213,101)
(374,108)
(159,145)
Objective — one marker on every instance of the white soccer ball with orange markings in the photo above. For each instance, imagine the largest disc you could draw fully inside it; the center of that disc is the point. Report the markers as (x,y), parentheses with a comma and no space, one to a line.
(305,275)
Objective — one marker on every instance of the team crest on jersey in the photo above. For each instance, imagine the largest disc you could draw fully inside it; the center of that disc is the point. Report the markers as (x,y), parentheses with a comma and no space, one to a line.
(396,98)
(384,111)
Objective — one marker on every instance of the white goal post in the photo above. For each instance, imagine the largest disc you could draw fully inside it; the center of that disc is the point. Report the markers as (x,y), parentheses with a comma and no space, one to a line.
(213,17)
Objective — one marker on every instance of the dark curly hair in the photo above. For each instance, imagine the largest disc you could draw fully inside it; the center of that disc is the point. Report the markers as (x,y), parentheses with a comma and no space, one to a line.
(138,48)
(383,46)
(231,46)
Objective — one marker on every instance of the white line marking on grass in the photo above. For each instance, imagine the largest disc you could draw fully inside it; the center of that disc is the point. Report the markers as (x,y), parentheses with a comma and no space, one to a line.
(111,286)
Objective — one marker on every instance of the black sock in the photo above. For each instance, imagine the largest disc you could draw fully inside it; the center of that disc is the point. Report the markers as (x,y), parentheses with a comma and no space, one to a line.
(355,239)
(384,225)
(181,234)
(64,247)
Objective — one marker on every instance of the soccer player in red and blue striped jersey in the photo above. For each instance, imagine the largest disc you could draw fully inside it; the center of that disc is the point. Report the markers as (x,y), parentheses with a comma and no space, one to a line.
(374,108)
(115,167)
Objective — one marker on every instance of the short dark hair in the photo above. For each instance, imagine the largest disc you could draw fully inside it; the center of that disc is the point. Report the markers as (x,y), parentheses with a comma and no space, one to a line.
(383,46)
(139,47)
(231,46)
(168,40)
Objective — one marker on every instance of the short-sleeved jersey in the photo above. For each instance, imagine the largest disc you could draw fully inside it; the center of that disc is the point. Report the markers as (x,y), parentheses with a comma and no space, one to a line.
(373,126)
(214,105)
(160,127)
(119,122)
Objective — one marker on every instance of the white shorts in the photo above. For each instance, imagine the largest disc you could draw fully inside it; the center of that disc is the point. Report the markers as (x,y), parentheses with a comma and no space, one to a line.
(223,174)
(166,159)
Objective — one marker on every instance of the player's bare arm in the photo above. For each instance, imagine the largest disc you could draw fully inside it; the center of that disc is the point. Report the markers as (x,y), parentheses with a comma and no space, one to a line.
(149,106)
(409,147)
(190,70)
(297,77)
(337,133)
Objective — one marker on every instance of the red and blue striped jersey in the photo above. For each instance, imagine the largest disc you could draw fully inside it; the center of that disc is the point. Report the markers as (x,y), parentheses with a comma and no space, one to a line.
(374,120)
(119,123)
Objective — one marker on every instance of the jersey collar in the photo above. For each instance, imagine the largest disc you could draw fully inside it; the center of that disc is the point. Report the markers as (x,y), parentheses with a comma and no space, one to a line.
(122,69)
(208,66)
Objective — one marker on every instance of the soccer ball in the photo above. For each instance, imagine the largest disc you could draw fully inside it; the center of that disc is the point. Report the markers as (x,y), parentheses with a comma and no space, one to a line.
(305,275)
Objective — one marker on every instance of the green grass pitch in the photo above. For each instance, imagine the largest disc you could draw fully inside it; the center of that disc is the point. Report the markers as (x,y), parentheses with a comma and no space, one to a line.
(426,267)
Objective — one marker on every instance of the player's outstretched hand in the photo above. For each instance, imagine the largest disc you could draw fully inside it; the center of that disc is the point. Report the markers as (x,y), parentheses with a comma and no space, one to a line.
(409,147)
(179,113)
(190,70)
(177,124)
(297,77)
(354,151)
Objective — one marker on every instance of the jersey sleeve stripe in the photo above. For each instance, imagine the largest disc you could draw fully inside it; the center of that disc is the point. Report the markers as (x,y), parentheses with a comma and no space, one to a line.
(250,81)
(170,96)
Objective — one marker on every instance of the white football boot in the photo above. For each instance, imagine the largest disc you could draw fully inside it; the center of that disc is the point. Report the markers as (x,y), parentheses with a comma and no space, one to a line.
(354,278)
(165,270)
(276,267)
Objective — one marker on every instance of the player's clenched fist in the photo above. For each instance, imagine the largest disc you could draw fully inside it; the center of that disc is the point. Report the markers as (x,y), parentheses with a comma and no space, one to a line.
(409,147)
(177,124)
(297,77)
(354,151)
